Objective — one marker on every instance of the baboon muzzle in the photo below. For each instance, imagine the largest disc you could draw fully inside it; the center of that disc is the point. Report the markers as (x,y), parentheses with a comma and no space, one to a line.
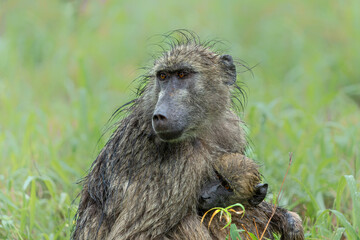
(164,128)
(169,120)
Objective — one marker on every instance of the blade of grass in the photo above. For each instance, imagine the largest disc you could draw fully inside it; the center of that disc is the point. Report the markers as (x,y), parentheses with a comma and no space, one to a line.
(32,204)
(212,217)
(338,234)
(277,199)
(349,229)
(234,233)
(355,200)
(339,193)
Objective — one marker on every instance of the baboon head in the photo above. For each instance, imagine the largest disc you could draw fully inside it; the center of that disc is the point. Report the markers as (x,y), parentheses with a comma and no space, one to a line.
(192,85)
(215,193)
(219,193)
(237,180)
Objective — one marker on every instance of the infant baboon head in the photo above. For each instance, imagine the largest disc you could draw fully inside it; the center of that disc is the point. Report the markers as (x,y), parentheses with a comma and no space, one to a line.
(236,180)
(219,193)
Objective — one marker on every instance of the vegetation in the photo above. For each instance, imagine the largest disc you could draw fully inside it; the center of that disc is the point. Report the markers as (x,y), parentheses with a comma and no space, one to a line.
(65,66)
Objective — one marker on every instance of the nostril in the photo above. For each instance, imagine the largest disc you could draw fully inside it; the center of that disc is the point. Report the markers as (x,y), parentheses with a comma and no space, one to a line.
(159,117)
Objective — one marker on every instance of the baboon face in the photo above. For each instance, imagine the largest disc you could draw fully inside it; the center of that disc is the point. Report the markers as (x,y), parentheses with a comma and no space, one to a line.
(215,193)
(219,193)
(192,85)
(173,115)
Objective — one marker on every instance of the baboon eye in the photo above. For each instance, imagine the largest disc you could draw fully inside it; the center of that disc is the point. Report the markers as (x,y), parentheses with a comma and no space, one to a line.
(162,76)
(226,186)
(181,74)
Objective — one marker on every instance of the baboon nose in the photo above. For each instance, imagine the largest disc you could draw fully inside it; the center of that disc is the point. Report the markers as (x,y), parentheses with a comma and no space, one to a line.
(160,122)
(165,128)
(159,118)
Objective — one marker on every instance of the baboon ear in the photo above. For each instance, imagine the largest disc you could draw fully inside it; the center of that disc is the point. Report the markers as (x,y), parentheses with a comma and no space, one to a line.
(227,59)
(229,68)
(259,195)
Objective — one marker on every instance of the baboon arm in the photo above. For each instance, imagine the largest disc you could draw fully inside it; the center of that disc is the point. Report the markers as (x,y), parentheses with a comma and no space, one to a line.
(286,223)
(189,227)
(88,220)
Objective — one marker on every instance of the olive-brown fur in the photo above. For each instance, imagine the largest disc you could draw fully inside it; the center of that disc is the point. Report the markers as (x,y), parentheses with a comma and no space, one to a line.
(241,174)
(283,222)
(142,186)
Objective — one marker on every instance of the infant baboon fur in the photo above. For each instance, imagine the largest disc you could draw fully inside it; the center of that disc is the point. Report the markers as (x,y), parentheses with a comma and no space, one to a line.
(235,181)
(285,223)
(146,180)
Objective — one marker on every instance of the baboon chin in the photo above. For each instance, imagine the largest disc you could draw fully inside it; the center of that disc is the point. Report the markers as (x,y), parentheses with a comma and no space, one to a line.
(163,150)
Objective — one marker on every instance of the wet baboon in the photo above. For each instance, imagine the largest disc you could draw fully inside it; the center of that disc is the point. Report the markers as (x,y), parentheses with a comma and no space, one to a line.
(146,180)
(234,183)
(237,181)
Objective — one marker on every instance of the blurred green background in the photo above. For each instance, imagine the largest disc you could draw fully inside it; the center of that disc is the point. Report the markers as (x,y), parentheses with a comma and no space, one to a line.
(65,66)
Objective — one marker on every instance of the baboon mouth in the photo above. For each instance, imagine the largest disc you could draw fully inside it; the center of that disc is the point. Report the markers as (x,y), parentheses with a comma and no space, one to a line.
(169,135)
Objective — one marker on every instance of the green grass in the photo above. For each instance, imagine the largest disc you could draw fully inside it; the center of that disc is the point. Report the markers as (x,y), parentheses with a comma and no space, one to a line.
(65,66)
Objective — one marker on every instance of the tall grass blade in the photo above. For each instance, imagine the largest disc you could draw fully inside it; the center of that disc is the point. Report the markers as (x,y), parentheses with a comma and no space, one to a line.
(349,229)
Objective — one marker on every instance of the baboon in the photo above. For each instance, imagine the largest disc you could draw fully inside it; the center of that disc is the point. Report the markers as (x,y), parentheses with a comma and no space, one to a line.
(146,180)
(234,183)
(237,181)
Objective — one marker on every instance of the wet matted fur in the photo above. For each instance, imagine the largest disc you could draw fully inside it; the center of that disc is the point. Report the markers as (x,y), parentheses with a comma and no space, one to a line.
(141,187)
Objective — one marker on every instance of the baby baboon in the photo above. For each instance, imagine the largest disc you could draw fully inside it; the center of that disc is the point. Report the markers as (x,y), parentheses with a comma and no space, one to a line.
(234,184)
(237,181)
(146,180)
